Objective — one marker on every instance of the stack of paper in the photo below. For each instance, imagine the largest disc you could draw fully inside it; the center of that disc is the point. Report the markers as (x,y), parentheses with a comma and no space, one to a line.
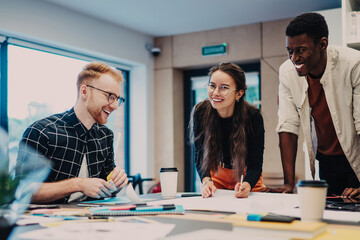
(296,229)
(137,212)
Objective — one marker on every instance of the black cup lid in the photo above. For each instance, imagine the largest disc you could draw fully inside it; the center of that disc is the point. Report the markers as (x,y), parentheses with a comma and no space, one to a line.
(312,183)
(173,169)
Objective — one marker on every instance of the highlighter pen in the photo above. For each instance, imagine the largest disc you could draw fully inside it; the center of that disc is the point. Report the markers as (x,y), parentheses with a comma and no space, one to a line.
(109,176)
(270,218)
(333,196)
(128,207)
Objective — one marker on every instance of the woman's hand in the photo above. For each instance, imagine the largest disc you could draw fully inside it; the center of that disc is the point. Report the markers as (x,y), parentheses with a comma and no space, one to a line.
(208,189)
(242,190)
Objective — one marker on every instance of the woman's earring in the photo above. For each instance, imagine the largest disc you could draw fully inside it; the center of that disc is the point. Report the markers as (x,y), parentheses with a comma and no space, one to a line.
(237,100)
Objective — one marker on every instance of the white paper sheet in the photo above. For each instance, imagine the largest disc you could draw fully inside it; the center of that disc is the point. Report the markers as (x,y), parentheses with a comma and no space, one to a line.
(212,234)
(224,200)
(101,230)
(26,219)
(131,194)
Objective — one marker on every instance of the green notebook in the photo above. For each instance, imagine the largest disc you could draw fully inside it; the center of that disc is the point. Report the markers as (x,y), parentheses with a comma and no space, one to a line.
(108,201)
(99,212)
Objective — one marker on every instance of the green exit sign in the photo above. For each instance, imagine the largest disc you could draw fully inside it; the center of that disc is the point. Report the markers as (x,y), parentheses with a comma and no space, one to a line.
(214,50)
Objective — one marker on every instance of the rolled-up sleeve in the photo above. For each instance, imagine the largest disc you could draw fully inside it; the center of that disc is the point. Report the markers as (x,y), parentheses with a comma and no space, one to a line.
(355,78)
(288,117)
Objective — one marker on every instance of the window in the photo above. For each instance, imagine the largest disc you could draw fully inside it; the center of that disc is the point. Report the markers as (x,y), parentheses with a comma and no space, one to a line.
(41,83)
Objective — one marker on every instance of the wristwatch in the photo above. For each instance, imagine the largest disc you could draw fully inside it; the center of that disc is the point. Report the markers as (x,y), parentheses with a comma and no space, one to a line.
(207,180)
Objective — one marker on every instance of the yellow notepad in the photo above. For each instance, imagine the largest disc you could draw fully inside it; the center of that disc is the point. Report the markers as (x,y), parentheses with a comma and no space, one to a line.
(339,233)
(296,229)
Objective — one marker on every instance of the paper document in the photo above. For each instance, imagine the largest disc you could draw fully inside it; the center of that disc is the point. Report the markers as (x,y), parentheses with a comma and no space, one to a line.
(224,200)
(101,230)
(212,234)
(26,219)
(131,194)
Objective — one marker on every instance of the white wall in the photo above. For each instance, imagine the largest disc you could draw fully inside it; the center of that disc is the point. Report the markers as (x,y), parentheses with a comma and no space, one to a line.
(334,22)
(43,21)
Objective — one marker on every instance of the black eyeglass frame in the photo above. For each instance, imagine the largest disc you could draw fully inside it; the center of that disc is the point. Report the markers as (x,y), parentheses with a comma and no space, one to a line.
(119,99)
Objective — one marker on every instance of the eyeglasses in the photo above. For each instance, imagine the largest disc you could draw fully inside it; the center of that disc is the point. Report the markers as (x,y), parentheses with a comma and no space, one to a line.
(112,97)
(222,89)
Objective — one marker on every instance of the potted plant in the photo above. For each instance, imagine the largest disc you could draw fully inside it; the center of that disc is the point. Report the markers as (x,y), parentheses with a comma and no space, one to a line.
(17,185)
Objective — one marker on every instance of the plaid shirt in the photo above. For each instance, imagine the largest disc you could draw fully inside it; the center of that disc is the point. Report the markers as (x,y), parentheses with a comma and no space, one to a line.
(64,140)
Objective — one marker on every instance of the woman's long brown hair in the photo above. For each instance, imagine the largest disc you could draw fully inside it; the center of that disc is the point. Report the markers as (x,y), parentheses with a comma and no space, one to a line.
(211,132)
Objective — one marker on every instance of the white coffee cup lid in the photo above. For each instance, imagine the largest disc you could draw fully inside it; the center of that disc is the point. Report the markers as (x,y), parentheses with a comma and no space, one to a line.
(312,183)
(173,169)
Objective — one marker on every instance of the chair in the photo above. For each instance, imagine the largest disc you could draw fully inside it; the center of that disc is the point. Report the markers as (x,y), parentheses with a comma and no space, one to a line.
(137,180)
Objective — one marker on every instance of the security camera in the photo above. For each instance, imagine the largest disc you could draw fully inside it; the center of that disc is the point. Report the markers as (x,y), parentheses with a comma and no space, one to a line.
(154,50)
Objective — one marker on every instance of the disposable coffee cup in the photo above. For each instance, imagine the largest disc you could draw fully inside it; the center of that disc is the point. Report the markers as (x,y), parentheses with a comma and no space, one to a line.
(312,198)
(168,181)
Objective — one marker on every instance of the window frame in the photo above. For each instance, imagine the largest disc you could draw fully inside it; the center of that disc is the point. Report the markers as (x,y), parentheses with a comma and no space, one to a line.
(126,70)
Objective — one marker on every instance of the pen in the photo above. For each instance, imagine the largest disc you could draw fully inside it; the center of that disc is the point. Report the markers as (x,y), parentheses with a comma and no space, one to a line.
(98,217)
(333,196)
(241,182)
(191,195)
(210,211)
(156,208)
(88,205)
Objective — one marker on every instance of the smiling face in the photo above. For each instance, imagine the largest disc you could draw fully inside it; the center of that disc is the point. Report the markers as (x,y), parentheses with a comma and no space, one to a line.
(307,56)
(222,93)
(98,104)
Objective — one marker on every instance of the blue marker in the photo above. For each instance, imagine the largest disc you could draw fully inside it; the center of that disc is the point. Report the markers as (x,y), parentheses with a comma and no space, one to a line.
(270,218)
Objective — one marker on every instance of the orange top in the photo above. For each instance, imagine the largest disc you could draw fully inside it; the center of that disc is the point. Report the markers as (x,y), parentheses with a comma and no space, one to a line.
(225,179)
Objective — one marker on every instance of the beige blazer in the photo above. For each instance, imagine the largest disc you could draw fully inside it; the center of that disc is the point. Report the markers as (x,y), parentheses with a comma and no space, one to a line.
(341,83)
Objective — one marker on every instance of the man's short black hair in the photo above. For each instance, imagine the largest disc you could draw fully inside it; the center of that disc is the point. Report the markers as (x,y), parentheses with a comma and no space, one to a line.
(312,24)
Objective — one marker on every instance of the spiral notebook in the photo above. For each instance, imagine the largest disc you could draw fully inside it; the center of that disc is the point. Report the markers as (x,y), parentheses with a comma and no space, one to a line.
(178,210)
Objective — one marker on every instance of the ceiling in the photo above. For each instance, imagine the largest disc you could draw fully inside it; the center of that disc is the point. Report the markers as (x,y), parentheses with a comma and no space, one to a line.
(171,17)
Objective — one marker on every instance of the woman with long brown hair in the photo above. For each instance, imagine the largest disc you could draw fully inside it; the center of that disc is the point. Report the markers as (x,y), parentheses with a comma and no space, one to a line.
(228,135)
